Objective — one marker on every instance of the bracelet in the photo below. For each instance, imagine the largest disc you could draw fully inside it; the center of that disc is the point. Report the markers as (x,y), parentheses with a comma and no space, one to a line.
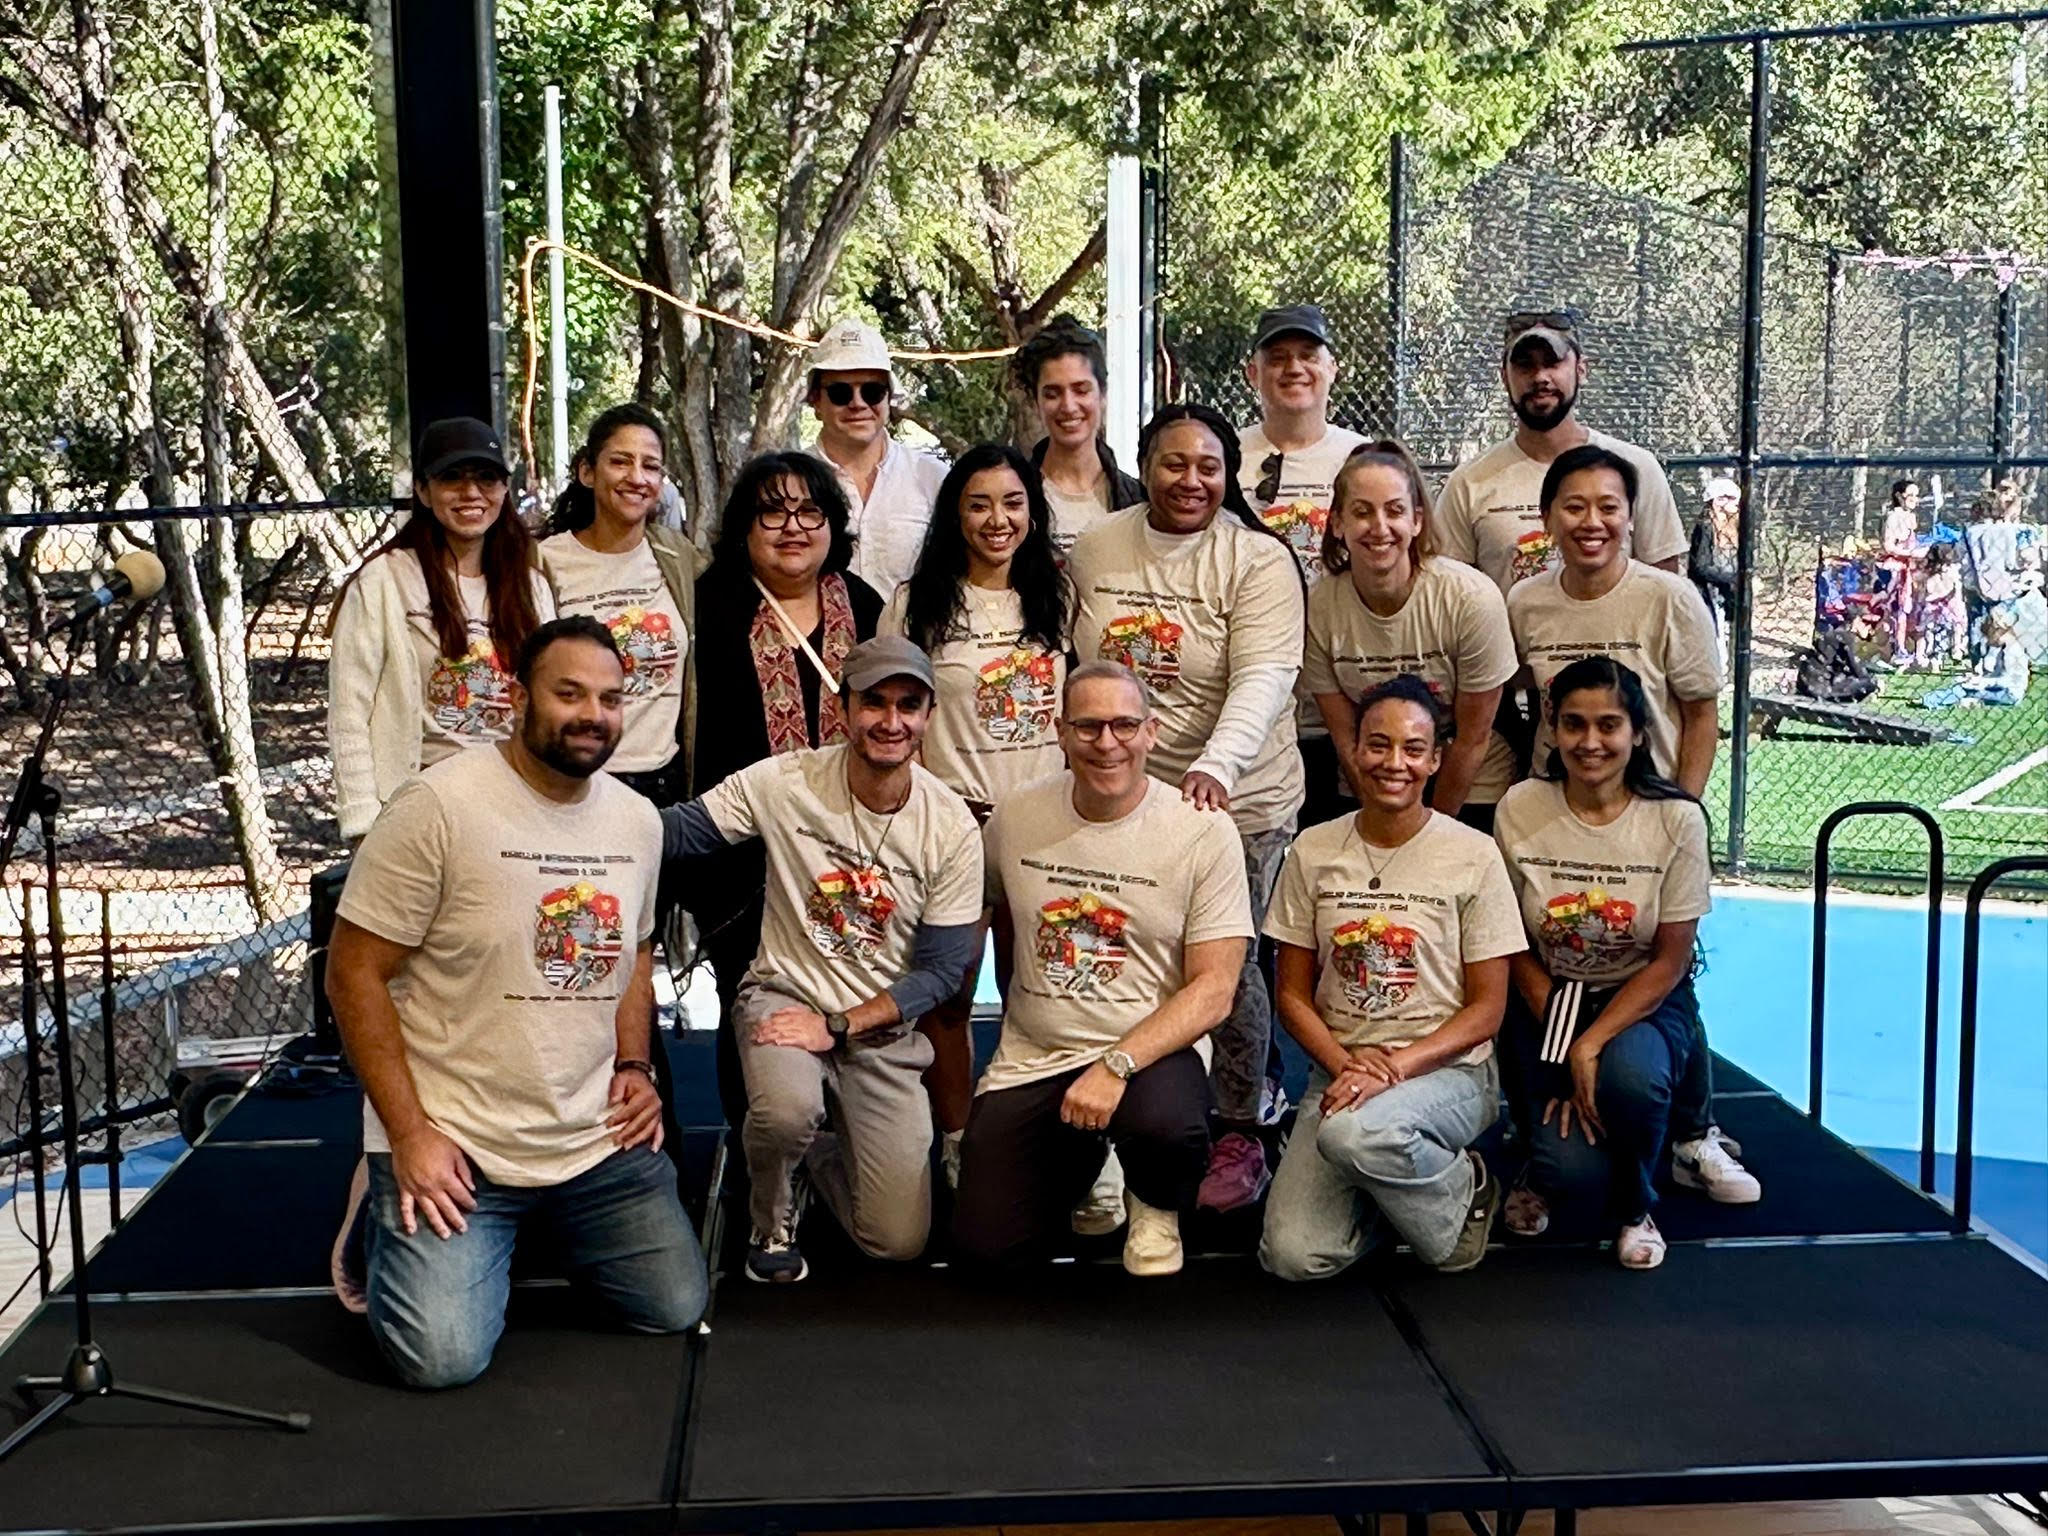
(646,1067)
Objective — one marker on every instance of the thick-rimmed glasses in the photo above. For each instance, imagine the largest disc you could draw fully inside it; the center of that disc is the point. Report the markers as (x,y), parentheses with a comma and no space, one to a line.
(1123,727)
(807,517)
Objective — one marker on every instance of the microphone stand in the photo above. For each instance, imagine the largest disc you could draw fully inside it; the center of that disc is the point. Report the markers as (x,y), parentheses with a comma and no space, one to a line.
(88,1372)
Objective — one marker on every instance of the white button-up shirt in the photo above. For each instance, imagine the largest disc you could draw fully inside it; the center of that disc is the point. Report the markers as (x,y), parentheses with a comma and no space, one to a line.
(889,524)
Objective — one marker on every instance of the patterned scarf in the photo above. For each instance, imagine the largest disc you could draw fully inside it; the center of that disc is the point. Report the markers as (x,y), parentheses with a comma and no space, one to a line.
(776,660)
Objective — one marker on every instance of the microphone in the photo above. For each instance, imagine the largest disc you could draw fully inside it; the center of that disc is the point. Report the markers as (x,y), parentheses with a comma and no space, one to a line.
(137,574)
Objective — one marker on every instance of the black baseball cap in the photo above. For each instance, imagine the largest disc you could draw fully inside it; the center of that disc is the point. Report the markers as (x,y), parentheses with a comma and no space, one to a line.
(459,440)
(1557,329)
(1291,320)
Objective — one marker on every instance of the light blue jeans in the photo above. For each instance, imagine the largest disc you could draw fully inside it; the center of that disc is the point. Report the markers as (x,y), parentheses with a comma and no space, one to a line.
(1399,1155)
(437,1306)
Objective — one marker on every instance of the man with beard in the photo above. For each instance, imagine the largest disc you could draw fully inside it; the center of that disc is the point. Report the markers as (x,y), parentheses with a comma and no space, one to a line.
(490,971)
(872,917)
(1488,515)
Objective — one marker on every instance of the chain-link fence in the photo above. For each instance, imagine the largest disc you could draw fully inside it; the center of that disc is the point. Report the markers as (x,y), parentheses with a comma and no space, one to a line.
(1628,204)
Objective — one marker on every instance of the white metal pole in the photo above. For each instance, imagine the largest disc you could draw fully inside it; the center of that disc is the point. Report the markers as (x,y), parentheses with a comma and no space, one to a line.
(1120,412)
(558,305)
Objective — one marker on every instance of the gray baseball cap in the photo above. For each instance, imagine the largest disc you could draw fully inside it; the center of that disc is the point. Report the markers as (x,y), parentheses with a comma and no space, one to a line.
(886,656)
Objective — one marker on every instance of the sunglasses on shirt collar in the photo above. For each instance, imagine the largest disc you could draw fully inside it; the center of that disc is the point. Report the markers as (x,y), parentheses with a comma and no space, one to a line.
(872,392)
(1267,491)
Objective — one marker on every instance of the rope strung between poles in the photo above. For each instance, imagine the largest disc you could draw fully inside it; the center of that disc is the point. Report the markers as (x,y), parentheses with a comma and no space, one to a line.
(538,245)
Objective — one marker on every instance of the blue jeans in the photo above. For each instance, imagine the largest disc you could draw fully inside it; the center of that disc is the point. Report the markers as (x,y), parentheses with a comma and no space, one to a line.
(437,1306)
(1641,1070)
(1400,1154)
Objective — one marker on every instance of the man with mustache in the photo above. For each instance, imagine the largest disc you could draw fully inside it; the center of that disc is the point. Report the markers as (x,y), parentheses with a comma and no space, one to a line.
(491,974)
(873,910)
(1488,514)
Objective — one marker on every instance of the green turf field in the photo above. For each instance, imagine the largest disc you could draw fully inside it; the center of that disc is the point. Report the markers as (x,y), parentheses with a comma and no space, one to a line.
(1797,778)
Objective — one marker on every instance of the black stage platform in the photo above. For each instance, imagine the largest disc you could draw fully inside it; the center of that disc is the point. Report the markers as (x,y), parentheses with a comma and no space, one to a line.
(1835,1340)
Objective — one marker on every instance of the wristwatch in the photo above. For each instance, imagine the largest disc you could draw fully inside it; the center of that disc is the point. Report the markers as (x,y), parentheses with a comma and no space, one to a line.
(1120,1065)
(837,1027)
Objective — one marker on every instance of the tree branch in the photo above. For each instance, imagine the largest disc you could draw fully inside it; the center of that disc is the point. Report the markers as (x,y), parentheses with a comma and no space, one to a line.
(1033,319)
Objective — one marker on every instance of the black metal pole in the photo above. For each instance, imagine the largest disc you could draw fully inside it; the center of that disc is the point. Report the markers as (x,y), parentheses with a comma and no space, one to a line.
(445,66)
(1151,232)
(110,1067)
(1397,276)
(32,1064)
(1966,1062)
(1751,433)
(1829,320)
(2005,361)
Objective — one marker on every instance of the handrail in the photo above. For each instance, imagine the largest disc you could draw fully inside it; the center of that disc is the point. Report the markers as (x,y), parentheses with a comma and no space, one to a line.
(1930,1062)
(1966,1066)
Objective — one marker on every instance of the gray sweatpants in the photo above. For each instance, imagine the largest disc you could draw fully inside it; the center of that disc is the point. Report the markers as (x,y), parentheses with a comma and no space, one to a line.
(1237,1071)
(872,1163)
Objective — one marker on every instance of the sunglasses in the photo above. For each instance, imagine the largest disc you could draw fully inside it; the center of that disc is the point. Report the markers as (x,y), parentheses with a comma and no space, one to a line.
(1566,320)
(1267,491)
(873,392)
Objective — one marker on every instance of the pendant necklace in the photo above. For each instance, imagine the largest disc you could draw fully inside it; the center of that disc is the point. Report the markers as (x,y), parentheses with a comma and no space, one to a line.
(1380,867)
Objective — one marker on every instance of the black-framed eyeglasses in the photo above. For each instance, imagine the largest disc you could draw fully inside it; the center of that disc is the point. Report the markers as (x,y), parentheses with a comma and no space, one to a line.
(1267,491)
(871,392)
(806,516)
(1123,727)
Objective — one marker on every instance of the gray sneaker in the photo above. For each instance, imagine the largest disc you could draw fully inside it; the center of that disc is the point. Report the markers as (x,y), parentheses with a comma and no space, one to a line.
(1471,1245)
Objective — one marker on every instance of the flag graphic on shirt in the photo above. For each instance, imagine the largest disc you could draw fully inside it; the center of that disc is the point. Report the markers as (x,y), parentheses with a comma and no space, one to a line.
(1374,958)
(1014,698)
(647,648)
(1590,920)
(471,694)
(1147,642)
(848,912)
(1300,522)
(1081,944)
(1534,554)
(578,936)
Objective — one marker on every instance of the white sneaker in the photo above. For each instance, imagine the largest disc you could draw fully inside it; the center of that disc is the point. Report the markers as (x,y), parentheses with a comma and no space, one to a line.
(1640,1246)
(1709,1164)
(1152,1246)
(949,1157)
(1103,1211)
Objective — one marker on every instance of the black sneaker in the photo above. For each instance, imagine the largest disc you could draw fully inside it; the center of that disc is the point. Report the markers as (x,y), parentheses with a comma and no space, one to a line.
(1471,1246)
(774,1258)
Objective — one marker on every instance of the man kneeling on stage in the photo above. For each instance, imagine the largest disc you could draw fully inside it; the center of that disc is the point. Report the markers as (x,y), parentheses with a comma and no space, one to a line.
(873,908)
(491,975)
(1130,916)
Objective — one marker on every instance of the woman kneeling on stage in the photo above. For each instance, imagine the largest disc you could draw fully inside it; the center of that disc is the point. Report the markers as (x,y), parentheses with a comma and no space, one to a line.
(1609,862)
(1395,927)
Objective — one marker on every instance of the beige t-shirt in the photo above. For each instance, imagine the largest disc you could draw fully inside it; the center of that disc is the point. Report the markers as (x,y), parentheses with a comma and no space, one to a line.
(1490,513)
(626,593)
(1452,633)
(1184,611)
(523,916)
(1299,508)
(1103,914)
(998,694)
(466,700)
(1652,621)
(846,887)
(1390,962)
(1592,897)
(1073,516)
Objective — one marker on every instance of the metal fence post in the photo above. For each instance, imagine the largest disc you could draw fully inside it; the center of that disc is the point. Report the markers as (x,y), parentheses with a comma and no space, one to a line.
(1751,435)
(1397,276)
(2005,356)
(1151,236)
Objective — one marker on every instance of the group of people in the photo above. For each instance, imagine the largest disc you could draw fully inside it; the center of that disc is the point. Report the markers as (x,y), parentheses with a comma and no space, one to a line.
(1261,733)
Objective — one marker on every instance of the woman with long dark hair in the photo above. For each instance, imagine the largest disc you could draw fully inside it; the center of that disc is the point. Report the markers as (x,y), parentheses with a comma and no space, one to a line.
(608,557)
(1391,605)
(989,605)
(1608,858)
(777,612)
(1204,602)
(425,634)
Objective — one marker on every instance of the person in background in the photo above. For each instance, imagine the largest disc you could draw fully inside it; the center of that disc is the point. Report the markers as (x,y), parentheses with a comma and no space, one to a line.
(1204,602)
(1392,605)
(1063,371)
(1288,473)
(1130,921)
(427,629)
(1712,564)
(609,556)
(888,488)
(989,605)
(1944,620)
(1600,602)
(1489,513)
(1608,859)
(491,975)
(1395,927)
(777,614)
(1991,560)
(2000,676)
(1899,563)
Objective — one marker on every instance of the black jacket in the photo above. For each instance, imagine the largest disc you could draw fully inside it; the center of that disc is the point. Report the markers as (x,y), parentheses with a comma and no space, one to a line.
(1124,490)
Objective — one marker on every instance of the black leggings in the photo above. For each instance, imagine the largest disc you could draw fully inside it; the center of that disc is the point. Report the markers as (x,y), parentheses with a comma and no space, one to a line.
(1022,1168)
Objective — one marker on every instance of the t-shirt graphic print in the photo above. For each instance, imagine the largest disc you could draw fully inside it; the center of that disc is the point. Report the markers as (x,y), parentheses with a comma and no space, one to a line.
(1080,944)
(848,909)
(1146,641)
(1016,696)
(1374,958)
(579,936)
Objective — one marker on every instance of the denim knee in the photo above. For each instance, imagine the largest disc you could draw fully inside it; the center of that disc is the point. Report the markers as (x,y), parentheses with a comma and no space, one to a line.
(432,1354)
